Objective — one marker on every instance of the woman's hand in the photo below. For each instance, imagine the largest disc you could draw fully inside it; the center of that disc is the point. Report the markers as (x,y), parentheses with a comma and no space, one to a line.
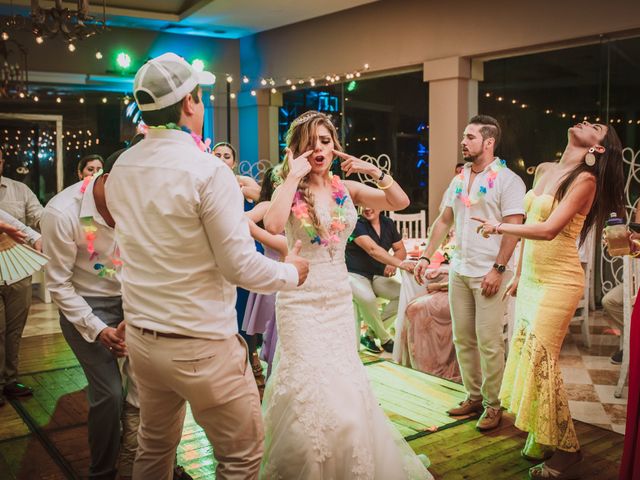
(487,228)
(389,270)
(407,266)
(298,167)
(350,165)
(512,288)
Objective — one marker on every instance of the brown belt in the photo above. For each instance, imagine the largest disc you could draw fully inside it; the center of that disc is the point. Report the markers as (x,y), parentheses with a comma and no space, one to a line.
(164,335)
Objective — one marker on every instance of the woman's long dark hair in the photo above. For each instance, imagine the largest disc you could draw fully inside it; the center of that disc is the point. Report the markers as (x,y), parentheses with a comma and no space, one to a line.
(609,173)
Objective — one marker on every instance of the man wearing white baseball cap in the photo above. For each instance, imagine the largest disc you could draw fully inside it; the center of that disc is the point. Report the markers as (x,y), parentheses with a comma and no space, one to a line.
(185,245)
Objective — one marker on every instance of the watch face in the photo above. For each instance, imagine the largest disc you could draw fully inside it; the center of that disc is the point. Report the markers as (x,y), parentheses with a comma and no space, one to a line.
(500,268)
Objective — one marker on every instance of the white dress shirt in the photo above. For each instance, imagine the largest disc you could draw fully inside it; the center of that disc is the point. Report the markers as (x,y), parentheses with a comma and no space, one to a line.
(475,255)
(72,273)
(20,202)
(184,239)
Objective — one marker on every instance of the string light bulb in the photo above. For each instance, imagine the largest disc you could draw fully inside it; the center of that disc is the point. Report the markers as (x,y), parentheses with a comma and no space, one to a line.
(5,36)
(288,82)
(263,82)
(81,99)
(253,93)
(293,87)
(273,90)
(99,55)
(36,98)
(39,40)
(212,97)
(245,79)
(233,96)
(71,47)
(229,79)
(58,100)
(104,99)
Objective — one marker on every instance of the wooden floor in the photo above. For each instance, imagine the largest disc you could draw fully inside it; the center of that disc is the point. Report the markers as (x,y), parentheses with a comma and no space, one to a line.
(45,437)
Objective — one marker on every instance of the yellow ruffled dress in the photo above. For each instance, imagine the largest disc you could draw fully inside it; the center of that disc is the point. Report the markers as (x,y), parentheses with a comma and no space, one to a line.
(551,285)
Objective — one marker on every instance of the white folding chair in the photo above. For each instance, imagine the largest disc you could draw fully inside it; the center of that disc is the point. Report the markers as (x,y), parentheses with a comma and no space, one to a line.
(631,281)
(414,225)
(587,254)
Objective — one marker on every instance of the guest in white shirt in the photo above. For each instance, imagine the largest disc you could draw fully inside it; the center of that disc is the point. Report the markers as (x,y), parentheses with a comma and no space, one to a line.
(21,203)
(481,267)
(185,245)
(83,279)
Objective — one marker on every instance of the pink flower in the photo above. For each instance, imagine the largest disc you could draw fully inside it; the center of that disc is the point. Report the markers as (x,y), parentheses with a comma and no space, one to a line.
(300,210)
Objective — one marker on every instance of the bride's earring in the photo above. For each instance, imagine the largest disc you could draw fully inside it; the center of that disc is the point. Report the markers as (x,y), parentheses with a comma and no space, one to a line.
(590,158)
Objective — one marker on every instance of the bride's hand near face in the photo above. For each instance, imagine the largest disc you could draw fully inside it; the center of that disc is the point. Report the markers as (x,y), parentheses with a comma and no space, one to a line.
(276,217)
(300,166)
(350,165)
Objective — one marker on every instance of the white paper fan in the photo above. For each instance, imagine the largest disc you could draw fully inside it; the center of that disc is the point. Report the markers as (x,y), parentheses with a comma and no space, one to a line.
(18,261)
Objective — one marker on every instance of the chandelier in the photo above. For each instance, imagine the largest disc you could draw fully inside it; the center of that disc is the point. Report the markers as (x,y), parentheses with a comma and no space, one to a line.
(73,25)
(14,76)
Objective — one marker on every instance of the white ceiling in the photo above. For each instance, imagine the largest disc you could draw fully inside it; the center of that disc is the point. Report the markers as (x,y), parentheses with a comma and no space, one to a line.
(215,18)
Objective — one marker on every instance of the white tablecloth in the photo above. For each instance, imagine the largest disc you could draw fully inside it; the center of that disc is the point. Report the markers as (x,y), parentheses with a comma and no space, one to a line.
(408,291)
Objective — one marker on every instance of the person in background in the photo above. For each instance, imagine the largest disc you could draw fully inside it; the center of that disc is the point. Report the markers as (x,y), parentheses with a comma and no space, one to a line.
(481,267)
(248,186)
(371,275)
(89,165)
(20,203)
(459,167)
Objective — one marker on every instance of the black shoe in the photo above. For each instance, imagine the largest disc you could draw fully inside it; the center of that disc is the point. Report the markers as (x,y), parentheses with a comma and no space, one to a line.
(370,344)
(388,346)
(15,389)
(616,358)
(179,473)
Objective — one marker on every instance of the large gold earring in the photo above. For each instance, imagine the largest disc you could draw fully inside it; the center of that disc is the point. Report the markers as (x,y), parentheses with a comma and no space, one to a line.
(590,158)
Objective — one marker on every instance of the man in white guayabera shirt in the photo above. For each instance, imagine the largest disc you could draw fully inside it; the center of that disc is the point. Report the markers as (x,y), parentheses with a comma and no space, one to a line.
(185,245)
(481,267)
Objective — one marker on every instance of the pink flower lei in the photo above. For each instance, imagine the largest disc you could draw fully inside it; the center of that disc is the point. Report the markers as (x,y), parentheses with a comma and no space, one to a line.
(496,166)
(90,229)
(300,210)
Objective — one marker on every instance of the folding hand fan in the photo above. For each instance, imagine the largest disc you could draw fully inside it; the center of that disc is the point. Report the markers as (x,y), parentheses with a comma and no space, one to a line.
(18,261)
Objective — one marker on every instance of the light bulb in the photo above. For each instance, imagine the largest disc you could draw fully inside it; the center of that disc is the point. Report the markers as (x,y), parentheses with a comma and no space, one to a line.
(71,47)
(99,55)
(39,40)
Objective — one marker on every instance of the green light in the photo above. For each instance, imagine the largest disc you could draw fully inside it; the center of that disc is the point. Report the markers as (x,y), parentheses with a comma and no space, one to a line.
(124,60)
(352,86)
(198,65)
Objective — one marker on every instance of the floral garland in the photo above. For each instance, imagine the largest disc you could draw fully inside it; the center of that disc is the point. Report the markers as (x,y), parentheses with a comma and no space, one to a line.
(300,210)
(90,229)
(497,165)
(205,145)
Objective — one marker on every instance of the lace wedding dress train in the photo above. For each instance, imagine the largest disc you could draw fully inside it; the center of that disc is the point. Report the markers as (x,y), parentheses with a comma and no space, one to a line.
(322,420)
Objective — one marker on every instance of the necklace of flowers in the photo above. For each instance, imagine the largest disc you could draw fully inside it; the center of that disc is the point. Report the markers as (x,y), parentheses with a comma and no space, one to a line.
(205,145)
(497,165)
(300,210)
(90,235)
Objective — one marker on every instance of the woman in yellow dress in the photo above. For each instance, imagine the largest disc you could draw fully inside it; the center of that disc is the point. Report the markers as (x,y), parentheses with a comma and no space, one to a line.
(569,199)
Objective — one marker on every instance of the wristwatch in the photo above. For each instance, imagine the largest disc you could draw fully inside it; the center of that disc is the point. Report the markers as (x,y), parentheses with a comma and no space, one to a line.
(500,268)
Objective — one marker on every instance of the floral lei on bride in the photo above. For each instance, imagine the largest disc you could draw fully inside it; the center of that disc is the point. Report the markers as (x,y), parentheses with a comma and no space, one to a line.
(300,210)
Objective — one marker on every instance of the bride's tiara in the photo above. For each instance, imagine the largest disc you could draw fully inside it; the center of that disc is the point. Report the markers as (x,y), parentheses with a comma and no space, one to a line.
(305,117)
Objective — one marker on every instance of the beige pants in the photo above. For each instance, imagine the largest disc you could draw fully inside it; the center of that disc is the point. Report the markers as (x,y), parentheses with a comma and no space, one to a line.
(478,323)
(15,301)
(365,294)
(613,304)
(215,377)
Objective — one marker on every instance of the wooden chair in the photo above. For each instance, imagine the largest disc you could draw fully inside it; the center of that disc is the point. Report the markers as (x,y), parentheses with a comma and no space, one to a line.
(631,281)
(413,224)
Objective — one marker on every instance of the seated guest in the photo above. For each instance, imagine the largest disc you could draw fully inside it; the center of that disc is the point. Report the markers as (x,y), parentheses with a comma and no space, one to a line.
(89,165)
(427,337)
(371,273)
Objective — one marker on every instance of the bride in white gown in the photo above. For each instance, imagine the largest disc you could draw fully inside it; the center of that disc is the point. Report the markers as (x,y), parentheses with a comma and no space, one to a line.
(322,420)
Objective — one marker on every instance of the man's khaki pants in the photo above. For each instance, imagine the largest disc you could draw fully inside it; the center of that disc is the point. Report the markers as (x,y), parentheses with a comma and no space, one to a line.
(215,377)
(15,300)
(478,324)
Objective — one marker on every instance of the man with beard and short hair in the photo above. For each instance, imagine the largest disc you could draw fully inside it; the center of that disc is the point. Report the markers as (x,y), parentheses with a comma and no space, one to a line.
(481,267)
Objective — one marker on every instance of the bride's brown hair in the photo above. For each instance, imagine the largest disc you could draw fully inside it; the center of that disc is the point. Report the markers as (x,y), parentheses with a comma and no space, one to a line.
(301,137)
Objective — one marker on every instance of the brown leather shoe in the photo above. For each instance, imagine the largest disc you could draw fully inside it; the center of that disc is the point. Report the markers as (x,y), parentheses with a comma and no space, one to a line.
(467,407)
(489,419)
(258,374)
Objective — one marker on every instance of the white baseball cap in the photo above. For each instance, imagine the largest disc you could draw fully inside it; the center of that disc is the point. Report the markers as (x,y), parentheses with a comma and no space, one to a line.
(168,79)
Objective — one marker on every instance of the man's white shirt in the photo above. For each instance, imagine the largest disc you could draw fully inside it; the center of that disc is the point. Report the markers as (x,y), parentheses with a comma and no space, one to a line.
(184,239)
(71,274)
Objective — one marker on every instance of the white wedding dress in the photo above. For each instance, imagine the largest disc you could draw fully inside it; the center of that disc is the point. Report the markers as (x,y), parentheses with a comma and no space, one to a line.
(322,421)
